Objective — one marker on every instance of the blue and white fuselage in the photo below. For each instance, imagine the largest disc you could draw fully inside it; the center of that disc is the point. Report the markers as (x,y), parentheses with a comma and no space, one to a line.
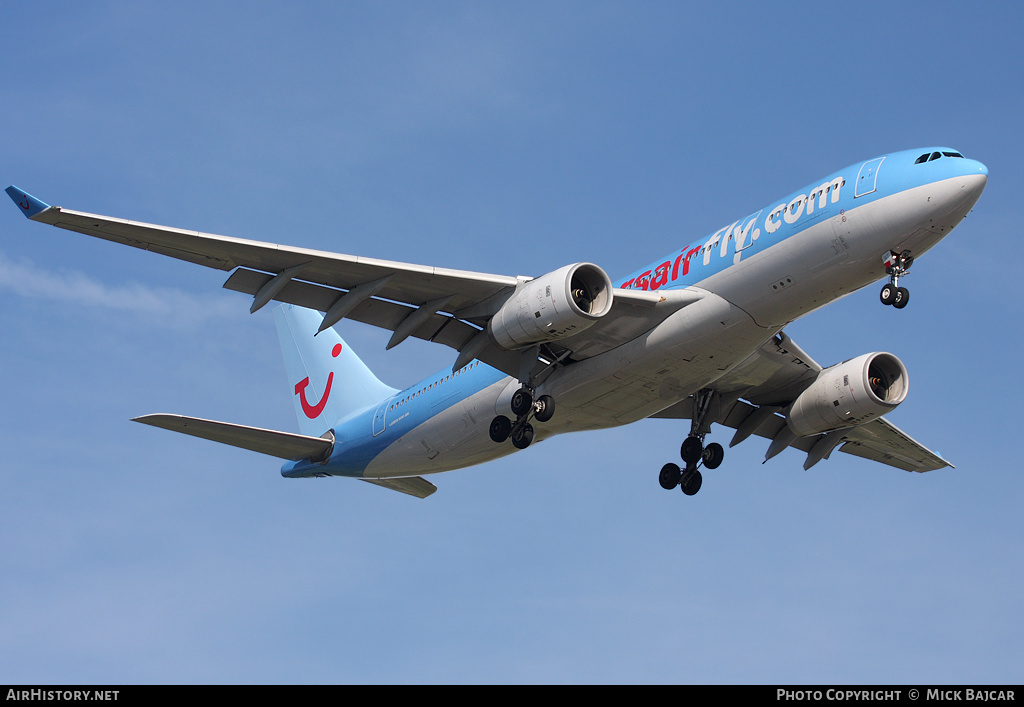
(755,275)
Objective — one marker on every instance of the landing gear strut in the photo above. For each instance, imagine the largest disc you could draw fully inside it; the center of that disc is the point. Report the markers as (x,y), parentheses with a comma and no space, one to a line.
(525,403)
(693,451)
(896,265)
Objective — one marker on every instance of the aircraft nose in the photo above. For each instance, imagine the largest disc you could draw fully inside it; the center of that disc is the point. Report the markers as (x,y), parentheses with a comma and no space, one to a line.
(975,179)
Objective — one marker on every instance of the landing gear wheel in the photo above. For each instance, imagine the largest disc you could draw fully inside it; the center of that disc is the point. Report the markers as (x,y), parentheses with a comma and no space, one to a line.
(501,428)
(691,450)
(545,407)
(896,267)
(690,482)
(669,476)
(713,455)
(522,400)
(522,437)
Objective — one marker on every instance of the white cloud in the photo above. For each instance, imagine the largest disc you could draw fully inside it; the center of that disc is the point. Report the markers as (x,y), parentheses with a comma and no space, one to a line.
(167,306)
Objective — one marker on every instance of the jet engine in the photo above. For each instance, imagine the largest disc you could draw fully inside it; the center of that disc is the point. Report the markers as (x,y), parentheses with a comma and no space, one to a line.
(849,394)
(554,306)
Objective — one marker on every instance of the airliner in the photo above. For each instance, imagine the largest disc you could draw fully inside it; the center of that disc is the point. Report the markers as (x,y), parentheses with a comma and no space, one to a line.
(697,335)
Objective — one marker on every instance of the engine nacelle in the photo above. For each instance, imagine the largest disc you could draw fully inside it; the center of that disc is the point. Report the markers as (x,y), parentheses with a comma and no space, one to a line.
(557,305)
(850,393)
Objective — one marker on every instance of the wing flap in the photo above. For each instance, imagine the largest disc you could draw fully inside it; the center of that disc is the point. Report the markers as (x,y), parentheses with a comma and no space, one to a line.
(381,313)
(881,441)
(438,328)
(284,445)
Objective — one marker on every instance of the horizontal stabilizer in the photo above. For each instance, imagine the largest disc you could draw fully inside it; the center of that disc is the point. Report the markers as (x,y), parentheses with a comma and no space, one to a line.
(284,445)
(413,485)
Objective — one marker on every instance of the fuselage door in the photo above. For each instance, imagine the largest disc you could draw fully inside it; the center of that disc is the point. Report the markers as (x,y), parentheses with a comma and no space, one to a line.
(378,418)
(868,177)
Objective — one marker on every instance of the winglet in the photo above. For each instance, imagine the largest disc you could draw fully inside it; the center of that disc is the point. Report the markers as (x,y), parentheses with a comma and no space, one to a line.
(30,206)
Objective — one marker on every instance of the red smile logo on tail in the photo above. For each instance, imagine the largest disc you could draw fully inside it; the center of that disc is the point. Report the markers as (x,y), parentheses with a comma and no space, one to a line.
(313,411)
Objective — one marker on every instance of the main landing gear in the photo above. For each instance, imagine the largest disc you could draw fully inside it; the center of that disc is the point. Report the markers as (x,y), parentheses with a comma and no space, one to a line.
(524,407)
(693,451)
(689,478)
(896,266)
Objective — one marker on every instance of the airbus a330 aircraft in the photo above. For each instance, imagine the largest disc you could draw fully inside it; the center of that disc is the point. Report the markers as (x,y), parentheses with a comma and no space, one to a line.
(696,335)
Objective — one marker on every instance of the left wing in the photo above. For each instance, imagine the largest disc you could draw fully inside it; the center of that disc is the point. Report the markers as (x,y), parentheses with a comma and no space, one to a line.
(753,397)
(450,307)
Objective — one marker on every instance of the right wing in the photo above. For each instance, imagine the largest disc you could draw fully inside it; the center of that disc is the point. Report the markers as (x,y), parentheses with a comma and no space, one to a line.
(752,399)
(450,307)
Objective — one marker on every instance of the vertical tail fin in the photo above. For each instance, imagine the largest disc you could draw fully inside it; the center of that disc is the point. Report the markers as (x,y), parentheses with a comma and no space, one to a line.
(330,382)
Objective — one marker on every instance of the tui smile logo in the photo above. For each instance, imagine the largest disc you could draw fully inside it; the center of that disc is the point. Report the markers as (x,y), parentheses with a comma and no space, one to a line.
(313,411)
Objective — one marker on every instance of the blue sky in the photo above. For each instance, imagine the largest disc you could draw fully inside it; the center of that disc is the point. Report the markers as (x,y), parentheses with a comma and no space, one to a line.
(511,138)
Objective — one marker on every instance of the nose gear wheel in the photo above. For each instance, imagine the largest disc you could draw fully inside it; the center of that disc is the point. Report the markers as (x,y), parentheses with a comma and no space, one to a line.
(896,267)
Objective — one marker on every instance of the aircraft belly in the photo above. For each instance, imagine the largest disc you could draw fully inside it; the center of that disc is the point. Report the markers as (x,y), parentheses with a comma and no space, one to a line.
(693,347)
(685,352)
(454,438)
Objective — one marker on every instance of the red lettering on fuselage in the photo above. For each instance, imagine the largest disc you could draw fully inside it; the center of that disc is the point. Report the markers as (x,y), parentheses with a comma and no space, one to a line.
(660,276)
(686,262)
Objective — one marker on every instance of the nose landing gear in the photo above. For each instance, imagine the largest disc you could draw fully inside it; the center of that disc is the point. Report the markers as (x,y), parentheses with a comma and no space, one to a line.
(896,266)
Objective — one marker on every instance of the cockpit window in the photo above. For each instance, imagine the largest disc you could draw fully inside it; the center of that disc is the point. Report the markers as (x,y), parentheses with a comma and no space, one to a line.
(929,156)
